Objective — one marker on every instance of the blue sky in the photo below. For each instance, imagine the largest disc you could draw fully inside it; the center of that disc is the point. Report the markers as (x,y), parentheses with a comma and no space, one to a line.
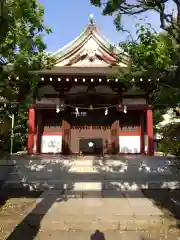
(67,18)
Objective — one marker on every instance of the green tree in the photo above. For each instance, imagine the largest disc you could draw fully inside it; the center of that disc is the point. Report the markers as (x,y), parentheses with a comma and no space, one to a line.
(150,66)
(22,52)
(22,49)
(170,139)
(170,23)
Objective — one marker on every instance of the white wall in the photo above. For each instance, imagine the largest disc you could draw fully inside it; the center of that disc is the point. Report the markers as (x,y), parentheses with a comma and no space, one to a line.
(129,144)
(51,144)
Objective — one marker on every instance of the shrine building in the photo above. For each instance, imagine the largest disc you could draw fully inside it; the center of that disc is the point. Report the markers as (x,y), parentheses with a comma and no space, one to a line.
(81,108)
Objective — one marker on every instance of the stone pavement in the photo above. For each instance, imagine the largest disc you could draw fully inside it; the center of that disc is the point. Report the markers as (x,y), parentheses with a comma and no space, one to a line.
(54,212)
(110,235)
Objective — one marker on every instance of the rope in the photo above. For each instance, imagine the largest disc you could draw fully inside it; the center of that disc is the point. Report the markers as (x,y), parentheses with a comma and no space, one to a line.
(89,108)
(98,108)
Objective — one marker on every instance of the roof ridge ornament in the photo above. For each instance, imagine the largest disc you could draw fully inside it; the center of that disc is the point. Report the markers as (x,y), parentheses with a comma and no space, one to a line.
(91,18)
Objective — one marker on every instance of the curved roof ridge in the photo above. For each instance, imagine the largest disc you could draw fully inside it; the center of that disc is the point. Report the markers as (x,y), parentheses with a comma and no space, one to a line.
(109,42)
(91,30)
(71,42)
(75,49)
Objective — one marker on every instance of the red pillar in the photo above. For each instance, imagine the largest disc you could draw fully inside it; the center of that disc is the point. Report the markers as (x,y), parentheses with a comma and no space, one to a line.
(142,132)
(149,130)
(38,133)
(31,130)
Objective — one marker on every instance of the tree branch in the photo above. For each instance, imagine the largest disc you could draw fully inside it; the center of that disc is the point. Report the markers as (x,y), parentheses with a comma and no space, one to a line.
(177,2)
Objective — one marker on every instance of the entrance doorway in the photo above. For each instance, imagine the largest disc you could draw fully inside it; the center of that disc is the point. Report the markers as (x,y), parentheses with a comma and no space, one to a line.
(89,139)
(91,146)
(91,134)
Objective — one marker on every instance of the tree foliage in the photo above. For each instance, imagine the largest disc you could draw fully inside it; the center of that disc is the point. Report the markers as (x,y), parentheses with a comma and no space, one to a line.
(4,134)
(151,59)
(170,139)
(158,116)
(21,47)
(22,52)
(169,20)
(152,56)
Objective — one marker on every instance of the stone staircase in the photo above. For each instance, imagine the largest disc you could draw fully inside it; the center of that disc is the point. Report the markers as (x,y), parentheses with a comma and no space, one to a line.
(89,176)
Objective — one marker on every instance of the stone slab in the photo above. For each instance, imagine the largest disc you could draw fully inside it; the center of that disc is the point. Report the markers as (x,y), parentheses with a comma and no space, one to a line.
(112,194)
(133,194)
(95,206)
(92,222)
(87,186)
(92,194)
(140,202)
(108,235)
(148,211)
(85,161)
(83,169)
(93,213)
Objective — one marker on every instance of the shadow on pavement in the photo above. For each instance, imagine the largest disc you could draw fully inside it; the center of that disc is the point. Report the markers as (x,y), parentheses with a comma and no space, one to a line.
(98,235)
(168,200)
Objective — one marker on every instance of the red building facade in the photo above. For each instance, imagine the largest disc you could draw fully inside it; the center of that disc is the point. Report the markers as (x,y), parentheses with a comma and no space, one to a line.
(81,109)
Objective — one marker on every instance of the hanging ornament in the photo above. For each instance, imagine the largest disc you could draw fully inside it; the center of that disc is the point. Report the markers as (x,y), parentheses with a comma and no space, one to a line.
(91,107)
(106,112)
(57,108)
(76,112)
(125,109)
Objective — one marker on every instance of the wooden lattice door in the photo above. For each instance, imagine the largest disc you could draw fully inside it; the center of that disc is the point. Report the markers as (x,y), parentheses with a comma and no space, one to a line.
(115,137)
(66,137)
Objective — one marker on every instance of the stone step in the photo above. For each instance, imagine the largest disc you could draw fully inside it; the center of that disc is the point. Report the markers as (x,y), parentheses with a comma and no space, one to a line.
(88,176)
(95,194)
(89,166)
(92,185)
(83,169)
